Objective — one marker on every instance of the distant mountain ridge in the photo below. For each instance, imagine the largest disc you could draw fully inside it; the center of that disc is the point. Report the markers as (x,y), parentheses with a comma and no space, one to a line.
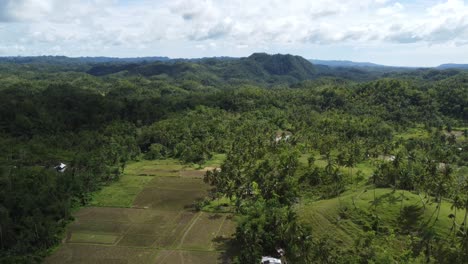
(149,59)
(345,63)
(257,68)
(453,66)
(64,59)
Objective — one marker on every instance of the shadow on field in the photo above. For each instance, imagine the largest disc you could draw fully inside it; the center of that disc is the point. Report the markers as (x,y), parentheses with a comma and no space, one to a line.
(390,198)
(215,216)
(410,218)
(229,246)
(192,207)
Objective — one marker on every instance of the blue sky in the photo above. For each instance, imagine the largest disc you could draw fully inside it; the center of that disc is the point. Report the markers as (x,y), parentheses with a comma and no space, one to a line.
(407,33)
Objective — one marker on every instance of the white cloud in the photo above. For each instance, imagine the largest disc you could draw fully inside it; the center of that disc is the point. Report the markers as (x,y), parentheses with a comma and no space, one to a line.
(94,26)
(395,9)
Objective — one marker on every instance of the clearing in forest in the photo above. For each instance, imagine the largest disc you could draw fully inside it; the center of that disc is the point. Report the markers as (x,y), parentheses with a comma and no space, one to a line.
(147,216)
(396,211)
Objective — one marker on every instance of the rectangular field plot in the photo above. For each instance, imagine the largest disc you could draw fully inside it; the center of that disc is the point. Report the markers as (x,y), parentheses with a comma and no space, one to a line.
(192,173)
(188,257)
(132,240)
(92,226)
(177,183)
(123,215)
(120,193)
(152,166)
(225,234)
(135,227)
(163,234)
(77,237)
(95,254)
(205,233)
(168,199)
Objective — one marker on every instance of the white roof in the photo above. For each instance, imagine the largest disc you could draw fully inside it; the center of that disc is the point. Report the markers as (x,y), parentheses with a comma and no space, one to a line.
(270,260)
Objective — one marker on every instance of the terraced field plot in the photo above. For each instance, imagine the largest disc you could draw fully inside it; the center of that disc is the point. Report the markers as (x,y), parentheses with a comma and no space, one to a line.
(159,226)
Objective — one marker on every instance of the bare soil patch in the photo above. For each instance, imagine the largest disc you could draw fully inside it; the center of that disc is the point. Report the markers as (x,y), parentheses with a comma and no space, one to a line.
(193,173)
(77,237)
(168,199)
(187,257)
(94,254)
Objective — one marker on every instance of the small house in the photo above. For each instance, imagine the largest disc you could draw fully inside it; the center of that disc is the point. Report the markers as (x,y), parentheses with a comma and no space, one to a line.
(270,260)
(282,136)
(61,167)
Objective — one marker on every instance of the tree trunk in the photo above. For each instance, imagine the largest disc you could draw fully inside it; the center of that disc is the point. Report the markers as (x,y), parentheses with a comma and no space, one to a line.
(422,201)
(375,204)
(454,222)
(401,203)
(428,252)
(1,237)
(465,219)
(439,204)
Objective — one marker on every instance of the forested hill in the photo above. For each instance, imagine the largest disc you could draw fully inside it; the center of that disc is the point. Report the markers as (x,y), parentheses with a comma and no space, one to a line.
(258,67)
(262,68)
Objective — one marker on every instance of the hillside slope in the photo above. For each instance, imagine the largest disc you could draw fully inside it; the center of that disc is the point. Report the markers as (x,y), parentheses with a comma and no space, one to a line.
(393,216)
(259,67)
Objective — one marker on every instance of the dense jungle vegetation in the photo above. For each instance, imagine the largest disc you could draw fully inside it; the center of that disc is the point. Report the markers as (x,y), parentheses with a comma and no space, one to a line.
(295,135)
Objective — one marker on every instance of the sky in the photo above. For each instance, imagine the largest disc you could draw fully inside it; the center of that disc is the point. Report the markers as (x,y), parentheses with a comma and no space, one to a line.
(402,33)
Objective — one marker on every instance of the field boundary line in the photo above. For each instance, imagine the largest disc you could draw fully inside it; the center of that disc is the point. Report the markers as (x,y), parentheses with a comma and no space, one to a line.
(175,228)
(182,239)
(217,232)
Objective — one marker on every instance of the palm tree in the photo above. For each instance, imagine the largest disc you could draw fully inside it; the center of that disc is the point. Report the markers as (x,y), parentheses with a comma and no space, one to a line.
(457,203)
(464,191)
(350,162)
(397,161)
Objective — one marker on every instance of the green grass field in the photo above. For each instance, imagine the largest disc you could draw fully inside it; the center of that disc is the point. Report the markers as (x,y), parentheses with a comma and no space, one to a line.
(398,211)
(215,161)
(136,176)
(120,193)
(418,132)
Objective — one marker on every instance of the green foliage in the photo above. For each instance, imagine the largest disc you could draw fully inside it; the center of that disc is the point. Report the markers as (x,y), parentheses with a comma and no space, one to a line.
(267,226)
(52,111)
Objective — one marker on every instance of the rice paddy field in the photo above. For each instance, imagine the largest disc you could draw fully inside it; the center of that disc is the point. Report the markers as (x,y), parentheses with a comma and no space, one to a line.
(148,216)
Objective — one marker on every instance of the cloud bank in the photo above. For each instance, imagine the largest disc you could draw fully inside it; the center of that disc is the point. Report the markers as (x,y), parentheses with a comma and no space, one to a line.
(92,27)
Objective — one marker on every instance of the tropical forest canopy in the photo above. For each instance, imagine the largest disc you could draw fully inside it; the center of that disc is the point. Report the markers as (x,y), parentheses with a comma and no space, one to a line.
(294,134)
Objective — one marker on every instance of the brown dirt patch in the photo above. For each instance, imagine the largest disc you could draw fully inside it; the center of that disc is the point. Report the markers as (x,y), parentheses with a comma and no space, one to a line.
(164,199)
(210,169)
(137,240)
(193,173)
(98,226)
(187,257)
(91,254)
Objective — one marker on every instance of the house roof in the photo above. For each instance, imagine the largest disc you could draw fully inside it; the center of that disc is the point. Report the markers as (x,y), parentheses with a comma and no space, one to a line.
(270,260)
